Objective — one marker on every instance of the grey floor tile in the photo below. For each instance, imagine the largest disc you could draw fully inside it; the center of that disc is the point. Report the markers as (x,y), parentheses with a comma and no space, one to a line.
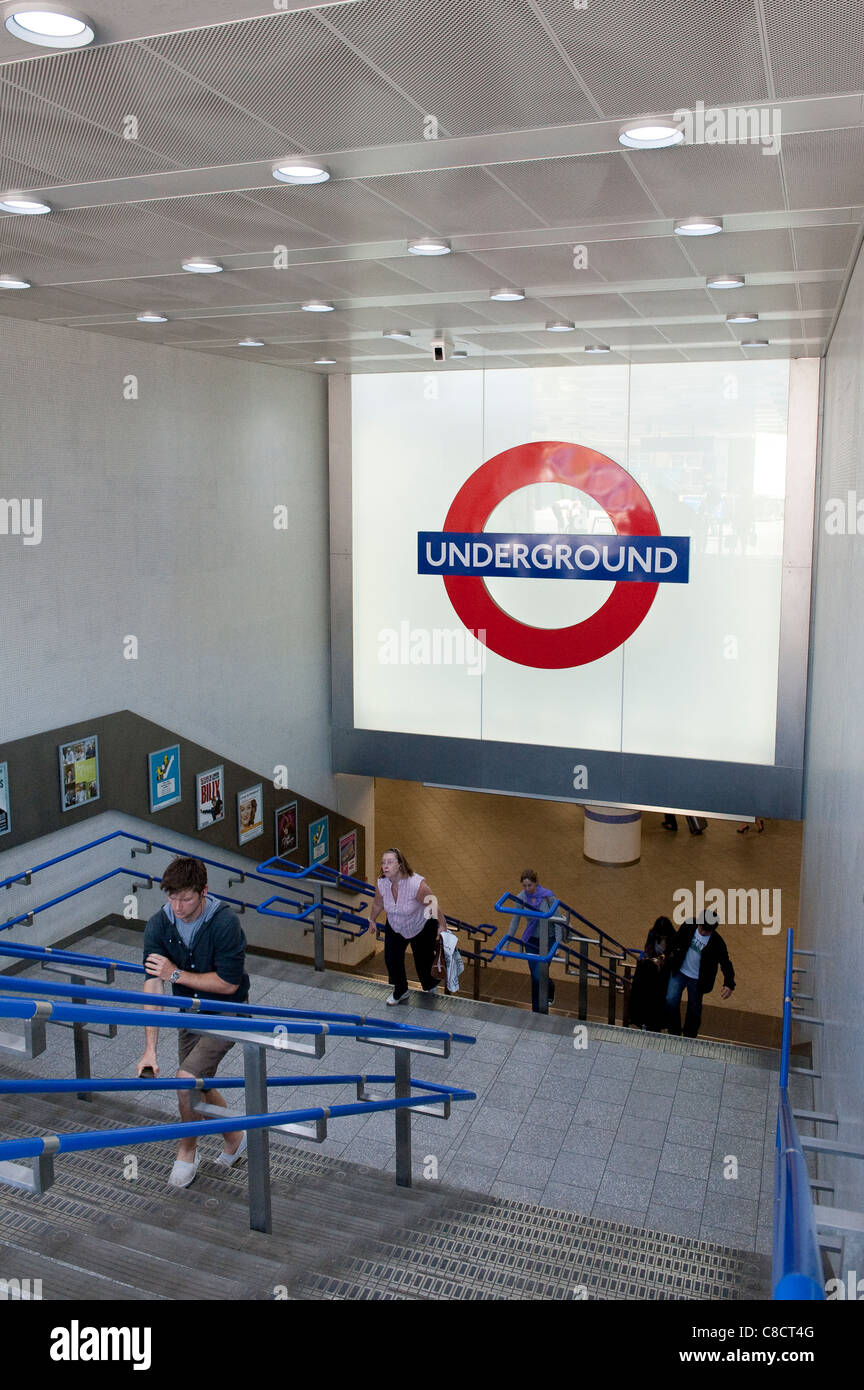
(577,1170)
(661,1061)
(373,1155)
(537,1140)
(565,1090)
(649,1134)
(597,1143)
(509,1097)
(744,1098)
(475,1177)
(735,1214)
(689,1105)
(517,1192)
(597,1114)
(749,1152)
(526,1169)
(649,1107)
(615,1062)
(620,1190)
(684,1159)
(706,1064)
(676,1220)
(633,1159)
(579,1197)
(698,1133)
(732,1240)
(650,1081)
(764,1243)
(520,1074)
(626,1216)
(748,1183)
(488,1149)
(490,1119)
(679,1190)
(693,1082)
(614,1089)
(744,1122)
(551,1114)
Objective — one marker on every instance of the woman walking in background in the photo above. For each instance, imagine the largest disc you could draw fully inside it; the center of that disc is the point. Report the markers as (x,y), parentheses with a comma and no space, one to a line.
(539,899)
(651,978)
(402,894)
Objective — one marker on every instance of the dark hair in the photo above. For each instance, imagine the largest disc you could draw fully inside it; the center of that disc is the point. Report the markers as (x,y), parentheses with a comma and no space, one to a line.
(662,929)
(404,866)
(528,873)
(184,875)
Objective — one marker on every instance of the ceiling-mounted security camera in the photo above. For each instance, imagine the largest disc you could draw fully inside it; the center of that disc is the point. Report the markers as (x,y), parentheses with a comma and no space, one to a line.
(441,349)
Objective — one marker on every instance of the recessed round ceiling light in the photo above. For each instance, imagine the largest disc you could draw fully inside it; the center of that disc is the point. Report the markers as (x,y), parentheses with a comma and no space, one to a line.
(698,226)
(396,333)
(459,352)
(725,282)
(250,342)
(325,361)
(52,26)
(318,306)
(13,282)
(754,342)
(650,134)
(597,347)
(200,265)
(21,204)
(560,326)
(150,316)
(429,246)
(300,171)
(741,317)
(506,294)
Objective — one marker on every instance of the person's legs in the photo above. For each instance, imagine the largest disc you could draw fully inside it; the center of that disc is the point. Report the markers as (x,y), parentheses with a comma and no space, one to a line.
(423,951)
(673,1002)
(693,1015)
(199,1054)
(394,958)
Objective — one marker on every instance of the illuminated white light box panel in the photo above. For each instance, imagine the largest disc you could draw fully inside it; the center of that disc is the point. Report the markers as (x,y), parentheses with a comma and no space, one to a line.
(704,445)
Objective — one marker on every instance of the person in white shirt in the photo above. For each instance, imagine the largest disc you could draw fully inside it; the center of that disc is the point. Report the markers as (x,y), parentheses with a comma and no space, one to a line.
(402,894)
(694,957)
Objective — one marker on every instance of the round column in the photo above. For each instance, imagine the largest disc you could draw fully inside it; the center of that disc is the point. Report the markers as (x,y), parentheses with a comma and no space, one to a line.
(613,835)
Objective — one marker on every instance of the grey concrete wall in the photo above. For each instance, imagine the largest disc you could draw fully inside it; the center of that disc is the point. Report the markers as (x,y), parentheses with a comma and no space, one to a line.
(158,471)
(832,910)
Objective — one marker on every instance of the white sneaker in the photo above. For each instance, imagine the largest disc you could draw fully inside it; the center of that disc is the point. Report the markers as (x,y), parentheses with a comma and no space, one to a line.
(433,990)
(391,999)
(226,1160)
(182,1174)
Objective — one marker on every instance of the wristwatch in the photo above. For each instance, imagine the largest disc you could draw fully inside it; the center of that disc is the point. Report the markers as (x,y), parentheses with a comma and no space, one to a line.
(173,978)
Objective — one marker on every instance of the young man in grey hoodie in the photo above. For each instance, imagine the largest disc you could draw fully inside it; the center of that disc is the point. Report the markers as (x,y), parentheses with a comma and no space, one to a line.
(196,944)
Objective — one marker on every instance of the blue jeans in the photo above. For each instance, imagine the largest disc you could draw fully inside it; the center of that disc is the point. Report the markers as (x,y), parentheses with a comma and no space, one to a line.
(533,946)
(693,1017)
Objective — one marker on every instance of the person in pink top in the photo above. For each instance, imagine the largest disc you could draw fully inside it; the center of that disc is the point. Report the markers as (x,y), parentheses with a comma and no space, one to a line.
(403,896)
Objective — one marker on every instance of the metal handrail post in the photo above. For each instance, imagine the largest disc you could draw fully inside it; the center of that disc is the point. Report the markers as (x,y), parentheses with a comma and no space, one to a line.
(583,978)
(318,922)
(475,993)
(258,1140)
(543,968)
(81,1043)
(402,1090)
(613,988)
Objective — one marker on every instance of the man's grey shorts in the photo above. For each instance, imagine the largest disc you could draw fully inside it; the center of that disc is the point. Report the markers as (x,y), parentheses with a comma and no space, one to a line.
(200,1053)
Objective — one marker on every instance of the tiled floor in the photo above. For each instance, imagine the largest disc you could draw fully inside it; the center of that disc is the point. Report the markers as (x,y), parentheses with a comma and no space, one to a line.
(472,847)
(631,1130)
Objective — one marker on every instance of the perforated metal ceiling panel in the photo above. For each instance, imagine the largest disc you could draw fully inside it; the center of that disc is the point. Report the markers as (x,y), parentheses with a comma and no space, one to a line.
(491,122)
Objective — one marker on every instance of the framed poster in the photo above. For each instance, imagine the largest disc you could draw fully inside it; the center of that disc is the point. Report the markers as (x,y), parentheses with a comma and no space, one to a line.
(163,775)
(210,797)
(5,813)
(286,829)
(79,772)
(348,853)
(250,814)
(319,840)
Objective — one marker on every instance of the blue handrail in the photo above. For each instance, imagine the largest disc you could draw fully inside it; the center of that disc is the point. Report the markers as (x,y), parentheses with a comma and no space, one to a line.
(499,950)
(796,1265)
(11,1149)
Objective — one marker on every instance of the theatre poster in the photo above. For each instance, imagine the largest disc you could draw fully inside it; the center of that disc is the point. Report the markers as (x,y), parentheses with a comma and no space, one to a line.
(250,814)
(348,853)
(319,840)
(79,772)
(210,797)
(163,771)
(286,829)
(5,813)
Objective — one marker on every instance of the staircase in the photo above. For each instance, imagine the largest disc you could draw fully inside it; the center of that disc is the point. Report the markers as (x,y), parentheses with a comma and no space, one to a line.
(340,1231)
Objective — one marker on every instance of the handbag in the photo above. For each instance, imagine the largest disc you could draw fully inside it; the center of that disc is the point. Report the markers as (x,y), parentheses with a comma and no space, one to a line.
(439,963)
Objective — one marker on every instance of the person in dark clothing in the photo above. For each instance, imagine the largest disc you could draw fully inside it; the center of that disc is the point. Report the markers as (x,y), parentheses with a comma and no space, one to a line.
(194,943)
(538,899)
(694,956)
(651,978)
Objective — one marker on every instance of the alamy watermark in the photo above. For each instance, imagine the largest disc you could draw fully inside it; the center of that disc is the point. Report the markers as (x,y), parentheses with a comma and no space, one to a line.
(432,646)
(734,906)
(845,516)
(731,125)
(22,516)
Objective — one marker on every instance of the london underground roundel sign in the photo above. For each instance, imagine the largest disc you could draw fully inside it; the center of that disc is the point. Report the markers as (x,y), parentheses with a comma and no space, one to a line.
(637,557)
